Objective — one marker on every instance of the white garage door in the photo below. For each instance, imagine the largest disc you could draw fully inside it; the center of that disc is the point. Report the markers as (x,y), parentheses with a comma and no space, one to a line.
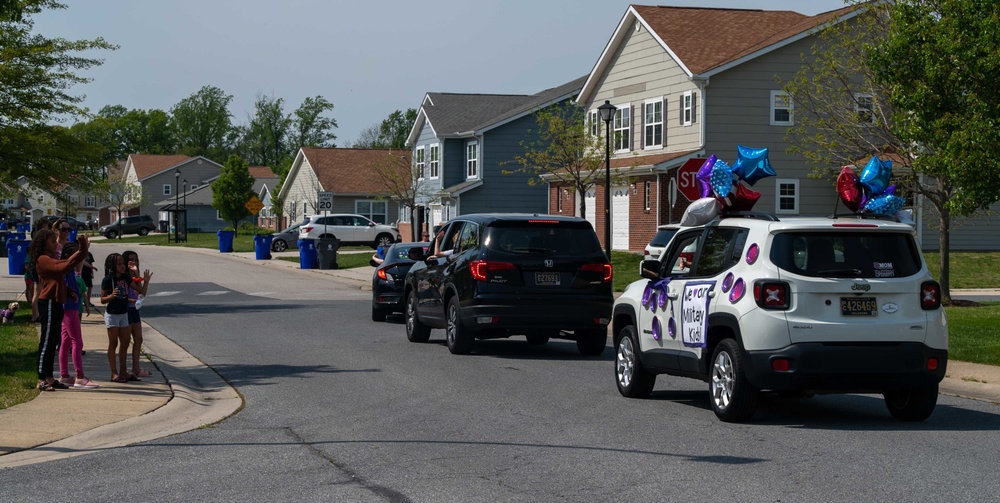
(619,218)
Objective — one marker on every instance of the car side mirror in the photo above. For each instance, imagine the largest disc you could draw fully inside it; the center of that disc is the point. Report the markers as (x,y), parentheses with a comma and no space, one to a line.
(371,224)
(650,269)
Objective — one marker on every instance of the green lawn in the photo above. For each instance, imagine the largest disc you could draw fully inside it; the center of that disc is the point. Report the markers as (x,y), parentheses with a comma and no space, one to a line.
(969,269)
(973,333)
(18,358)
(344,260)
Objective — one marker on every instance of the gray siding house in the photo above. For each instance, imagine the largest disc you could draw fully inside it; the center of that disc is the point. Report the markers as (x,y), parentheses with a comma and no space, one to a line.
(163,177)
(683,94)
(460,143)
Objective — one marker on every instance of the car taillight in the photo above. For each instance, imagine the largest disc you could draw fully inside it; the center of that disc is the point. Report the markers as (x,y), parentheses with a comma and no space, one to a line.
(306,229)
(930,295)
(381,274)
(770,294)
(645,254)
(607,272)
(480,268)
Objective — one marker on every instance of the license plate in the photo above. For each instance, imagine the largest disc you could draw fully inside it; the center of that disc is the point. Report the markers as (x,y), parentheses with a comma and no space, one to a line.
(858,306)
(547,278)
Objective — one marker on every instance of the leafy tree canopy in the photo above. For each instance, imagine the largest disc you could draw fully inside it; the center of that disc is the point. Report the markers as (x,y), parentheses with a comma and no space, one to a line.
(203,123)
(232,190)
(390,133)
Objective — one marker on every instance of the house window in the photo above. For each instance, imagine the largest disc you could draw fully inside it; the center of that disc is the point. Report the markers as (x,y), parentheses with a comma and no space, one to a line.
(595,123)
(687,108)
(623,128)
(218,215)
(305,208)
(787,201)
(472,160)
(418,161)
(646,197)
(166,189)
(781,108)
(90,201)
(404,213)
(435,161)
(653,124)
(864,106)
(192,187)
(8,202)
(376,211)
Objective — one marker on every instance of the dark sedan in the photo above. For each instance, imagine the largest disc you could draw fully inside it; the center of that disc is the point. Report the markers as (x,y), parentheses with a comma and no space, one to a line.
(288,238)
(388,279)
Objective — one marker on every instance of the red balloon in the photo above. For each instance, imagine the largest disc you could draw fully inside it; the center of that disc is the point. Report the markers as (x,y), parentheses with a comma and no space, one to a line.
(742,198)
(849,189)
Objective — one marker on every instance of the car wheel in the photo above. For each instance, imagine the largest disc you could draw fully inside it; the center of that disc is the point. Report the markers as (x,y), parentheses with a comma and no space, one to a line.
(384,240)
(279,245)
(143,231)
(111,234)
(415,331)
(378,314)
(633,380)
(459,338)
(915,404)
(591,342)
(733,398)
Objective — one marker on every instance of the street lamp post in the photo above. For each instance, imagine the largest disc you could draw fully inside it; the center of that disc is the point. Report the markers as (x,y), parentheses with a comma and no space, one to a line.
(607,111)
(177,195)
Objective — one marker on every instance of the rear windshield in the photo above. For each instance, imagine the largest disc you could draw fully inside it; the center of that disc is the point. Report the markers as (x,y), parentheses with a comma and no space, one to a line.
(662,237)
(544,237)
(845,254)
(400,252)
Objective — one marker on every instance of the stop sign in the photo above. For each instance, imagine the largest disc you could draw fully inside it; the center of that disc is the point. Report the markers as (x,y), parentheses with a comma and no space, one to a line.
(687,178)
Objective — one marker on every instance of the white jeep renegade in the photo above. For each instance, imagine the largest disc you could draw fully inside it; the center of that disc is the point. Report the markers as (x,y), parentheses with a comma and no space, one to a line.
(796,305)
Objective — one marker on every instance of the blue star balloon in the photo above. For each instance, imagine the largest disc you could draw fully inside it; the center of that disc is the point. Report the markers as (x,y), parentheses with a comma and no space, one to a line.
(722,178)
(884,204)
(875,176)
(752,164)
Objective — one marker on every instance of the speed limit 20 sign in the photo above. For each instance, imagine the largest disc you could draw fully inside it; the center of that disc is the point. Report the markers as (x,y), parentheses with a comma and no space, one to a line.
(325,201)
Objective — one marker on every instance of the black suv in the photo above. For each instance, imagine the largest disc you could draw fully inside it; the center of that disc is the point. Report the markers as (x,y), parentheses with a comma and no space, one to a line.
(541,276)
(138,224)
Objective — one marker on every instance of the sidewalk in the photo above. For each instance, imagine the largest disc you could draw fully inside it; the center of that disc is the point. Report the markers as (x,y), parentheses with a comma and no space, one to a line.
(183,394)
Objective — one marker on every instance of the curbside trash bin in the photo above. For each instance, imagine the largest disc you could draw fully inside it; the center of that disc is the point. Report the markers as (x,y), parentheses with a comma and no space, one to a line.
(262,246)
(307,254)
(226,241)
(16,235)
(72,235)
(17,251)
(163,226)
(3,243)
(23,227)
(327,252)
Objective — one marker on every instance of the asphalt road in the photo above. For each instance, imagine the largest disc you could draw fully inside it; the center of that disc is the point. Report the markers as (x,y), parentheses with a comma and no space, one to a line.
(339,408)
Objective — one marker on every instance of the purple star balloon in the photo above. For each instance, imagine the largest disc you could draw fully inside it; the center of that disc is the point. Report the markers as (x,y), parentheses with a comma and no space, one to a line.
(705,177)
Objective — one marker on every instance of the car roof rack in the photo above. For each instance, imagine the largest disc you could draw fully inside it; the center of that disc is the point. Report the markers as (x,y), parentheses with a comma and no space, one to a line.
(749,214)
(864,216)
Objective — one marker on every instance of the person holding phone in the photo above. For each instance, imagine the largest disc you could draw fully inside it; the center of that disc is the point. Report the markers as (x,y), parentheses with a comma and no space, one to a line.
(114,293)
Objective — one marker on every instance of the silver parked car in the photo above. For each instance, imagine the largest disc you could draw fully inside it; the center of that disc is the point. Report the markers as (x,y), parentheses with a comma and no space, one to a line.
(288,238)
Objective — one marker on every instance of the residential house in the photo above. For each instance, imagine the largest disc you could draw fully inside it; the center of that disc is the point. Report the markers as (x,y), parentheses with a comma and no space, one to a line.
(162,177)
(461,144)
(349,174)
(196,201)
(265,183)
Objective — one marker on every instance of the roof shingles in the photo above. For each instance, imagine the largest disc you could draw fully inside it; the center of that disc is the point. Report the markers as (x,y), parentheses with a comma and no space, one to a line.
(351,171)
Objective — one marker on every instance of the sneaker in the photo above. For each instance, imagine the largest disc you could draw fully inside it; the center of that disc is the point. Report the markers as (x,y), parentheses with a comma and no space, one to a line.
(58,385)
(86,383)
(68,381)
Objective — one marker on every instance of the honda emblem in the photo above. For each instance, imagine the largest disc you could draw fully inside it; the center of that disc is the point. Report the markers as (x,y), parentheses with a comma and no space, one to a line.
(549,263)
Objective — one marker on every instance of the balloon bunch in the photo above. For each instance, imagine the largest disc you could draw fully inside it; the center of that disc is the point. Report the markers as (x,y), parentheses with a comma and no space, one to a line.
(719,187)
(871,191)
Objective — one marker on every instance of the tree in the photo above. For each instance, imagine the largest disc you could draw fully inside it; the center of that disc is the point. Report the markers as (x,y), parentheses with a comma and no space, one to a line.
(392,132)
(203,123)
(266,141)
(925,70)
(121,132)
(35,78)
(310,127)
(232,190)
(401,181)
(563,150)
(120,195)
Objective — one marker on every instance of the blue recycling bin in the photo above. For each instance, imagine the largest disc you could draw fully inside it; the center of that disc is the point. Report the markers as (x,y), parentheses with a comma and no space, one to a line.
(16,235)
(226,241)
(72,235)
(3,226)
(17,251)
(23,227)
(262,246)
(307,254)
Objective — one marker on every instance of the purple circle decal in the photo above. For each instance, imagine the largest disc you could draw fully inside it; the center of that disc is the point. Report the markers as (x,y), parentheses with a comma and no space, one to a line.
(727,283)
(645,295)
(739,288)
(656,329)
(752,253)
(652,301)
(672,328)
(662,300)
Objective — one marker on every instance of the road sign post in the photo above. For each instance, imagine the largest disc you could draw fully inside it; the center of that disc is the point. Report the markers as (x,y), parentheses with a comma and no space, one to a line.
(324,203)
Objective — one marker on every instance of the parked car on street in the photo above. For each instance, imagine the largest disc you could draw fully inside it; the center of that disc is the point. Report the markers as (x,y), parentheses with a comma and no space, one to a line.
(797,306)
(349,229)
(288,238)
(73,223)
(388,279)
(659,241)
(498,275)
(138,224)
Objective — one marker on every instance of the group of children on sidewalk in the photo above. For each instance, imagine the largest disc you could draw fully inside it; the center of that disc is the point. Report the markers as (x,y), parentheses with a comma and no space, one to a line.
(59,281)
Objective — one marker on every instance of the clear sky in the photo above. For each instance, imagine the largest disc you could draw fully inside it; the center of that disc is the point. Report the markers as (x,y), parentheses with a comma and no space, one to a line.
(367,57)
